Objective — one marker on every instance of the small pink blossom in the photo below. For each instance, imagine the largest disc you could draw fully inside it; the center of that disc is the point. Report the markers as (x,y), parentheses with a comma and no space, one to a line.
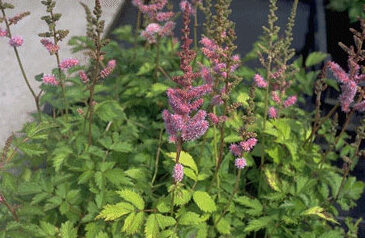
(273,113)
(150,32)
(290,101)
(52,48)
(338,72)
(186,4)
(83,77)
(348,94)
(260,82)
(80,111)
(240,163)
(49,79)
(3,32)
(248,144)
(108,69)
(167,29)
(69,63)
(360,106)
(164,16)
(217,100)
(235,149)
(178,173)
(213,118)
(1,198)
(275,97)
(16,41)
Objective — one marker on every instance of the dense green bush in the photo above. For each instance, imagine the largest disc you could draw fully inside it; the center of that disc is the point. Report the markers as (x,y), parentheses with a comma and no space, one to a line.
(100,164)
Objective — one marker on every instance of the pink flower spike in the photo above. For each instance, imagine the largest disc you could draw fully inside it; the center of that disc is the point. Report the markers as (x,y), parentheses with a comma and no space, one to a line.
(213,118)
(108,69)
(260,82)
(248,144)
(186,4)
(235,149)
(240,163)
(360,106)
(290,101)
(3,33)
(273,113)
(275,97)
(49,79)
(69,63)
(178,173)
(83,77)
(16,41)
(52,48)
(338,72)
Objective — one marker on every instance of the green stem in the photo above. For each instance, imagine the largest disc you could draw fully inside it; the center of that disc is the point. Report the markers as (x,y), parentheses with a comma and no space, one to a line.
(9,207)
(157,158)
(157,60)
(235,190)
(36,98)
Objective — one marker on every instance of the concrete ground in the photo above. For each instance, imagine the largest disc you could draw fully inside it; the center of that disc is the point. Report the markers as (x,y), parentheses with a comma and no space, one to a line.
(16,102)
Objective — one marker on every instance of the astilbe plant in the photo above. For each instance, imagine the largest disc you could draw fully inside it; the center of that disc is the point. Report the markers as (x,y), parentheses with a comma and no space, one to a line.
(209,148)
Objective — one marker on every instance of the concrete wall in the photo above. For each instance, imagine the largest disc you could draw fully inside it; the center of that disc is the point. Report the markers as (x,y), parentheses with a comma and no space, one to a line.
(16,102)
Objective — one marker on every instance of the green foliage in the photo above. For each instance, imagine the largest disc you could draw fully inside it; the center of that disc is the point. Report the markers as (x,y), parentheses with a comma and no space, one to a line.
(120,185)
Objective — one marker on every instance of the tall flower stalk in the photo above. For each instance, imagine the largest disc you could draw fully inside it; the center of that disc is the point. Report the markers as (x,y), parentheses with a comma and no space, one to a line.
(95,28)
(52,47)
(187,122)
(15,42)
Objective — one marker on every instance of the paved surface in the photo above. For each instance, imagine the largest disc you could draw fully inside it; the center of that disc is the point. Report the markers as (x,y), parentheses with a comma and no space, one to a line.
(16,102)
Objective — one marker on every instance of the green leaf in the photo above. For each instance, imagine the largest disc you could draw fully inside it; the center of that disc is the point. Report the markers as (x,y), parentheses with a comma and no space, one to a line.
(257,224)
(116,177)
(102,235)
(132,197)
(31,149)
(146,68)
(109,110)
(151,229)
(68,231)
(157,89)
(273,180)
(223,226)
(315,58)
(190,218)
(204,201)
(165,221)
(48,228)
(133,223)
(123,147)
(39,131)
(333,84)
(182,197)
(253,203)
(59,155)
(319,211)
(185,159)
(113,212)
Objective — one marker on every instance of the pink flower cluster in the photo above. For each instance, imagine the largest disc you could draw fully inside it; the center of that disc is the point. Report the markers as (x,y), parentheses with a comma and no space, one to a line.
(83,77)
(108,69)
(16,41)
(161,24)
(68,63)
(243,146)
(178,173)
(349,84)
(52,48)
(49,79)
(240,163)
(186,99)
(184,3)
(3,33)
(259,81)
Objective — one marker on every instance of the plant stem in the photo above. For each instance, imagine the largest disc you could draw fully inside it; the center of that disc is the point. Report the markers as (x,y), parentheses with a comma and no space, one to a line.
(157,158)
(157,60)
(235,190)
(196,27)
(178,151)
(9,207)
(36,98)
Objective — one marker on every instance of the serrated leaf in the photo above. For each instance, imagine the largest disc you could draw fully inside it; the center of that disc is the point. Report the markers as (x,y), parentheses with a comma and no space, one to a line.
(164,205)
(132,197)
(223,226)
(157,89)
(133,222)
(182,197)
(165,221)
(152,227)
(116,177)
(185,159)
(113,212)
(315,58)
(319,211)
(123,147)
(257,224)
(59,155)
(109,110)
(272,179)
(254,204)
(190,218)
(31,149)
(68,231)
(204,201)
(48,228)
(145,68)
